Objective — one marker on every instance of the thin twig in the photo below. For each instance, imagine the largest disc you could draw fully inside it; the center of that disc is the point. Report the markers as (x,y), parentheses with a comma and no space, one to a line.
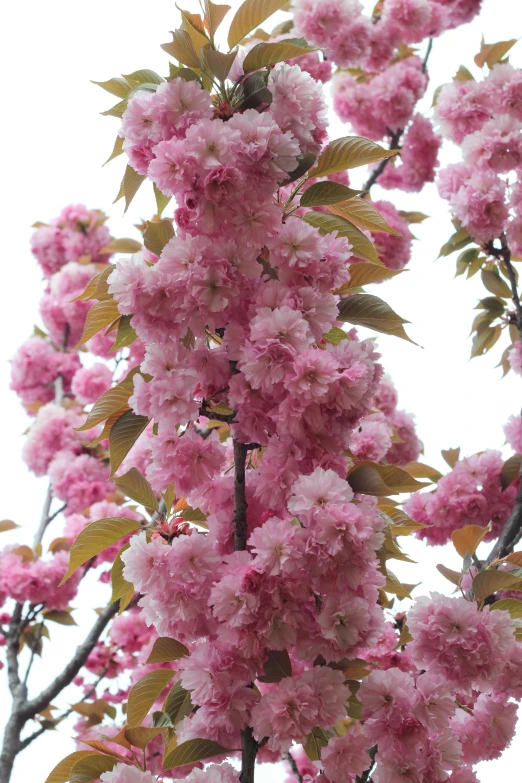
(376,173)
(288,756)
(427,55)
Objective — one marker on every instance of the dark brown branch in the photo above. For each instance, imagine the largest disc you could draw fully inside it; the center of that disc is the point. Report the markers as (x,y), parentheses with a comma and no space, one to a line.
(427,55)
(376,173)
(249,746)
(505,254)
(510,532)
(240,504)
(288,756)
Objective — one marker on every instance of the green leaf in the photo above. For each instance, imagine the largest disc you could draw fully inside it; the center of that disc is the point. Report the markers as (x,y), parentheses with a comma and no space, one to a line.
(123,435)
(315,741)
(143,76)
(363,273)
(130,185)
(117,110)
(495,284)
(219,62)
(370,311)
(62,771)
(277,666)
(251,14)
(157,235)
(214,15)
(116,86)
(490,581)
(361,245)
(101,315)
(192,750)
(136,487)
(335,336)
(348,153)
(125,334)
(265,54)
(510,470)
(144,693)
(457,241)
(91,767)
(194,515)
(124,245)
(177,705)
(511,605)
(110,402)
(304,163)
(161,199)
(187,74)
(253,93)
(363,215)
(166,649)
(371,478)
(116,150)
(485,338)
(96,537)
(323,193)
(121,589)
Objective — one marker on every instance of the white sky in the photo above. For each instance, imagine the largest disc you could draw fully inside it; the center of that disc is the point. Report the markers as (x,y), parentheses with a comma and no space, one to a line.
(55,141)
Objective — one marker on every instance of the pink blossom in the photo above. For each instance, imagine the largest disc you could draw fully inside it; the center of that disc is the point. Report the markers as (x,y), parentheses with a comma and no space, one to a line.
(89,383)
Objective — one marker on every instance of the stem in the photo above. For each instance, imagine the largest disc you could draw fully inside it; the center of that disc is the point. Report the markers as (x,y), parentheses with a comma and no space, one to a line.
(427,55)
(506,257)
(249,746)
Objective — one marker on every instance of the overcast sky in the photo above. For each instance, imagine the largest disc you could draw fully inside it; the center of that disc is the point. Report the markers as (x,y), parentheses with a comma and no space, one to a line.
(55,141)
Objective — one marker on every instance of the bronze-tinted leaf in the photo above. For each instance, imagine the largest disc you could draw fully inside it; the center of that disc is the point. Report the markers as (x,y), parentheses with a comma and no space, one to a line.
(277,666)
(144,693)
(451,456)
(466,539)
(166,649)
(511,470)
(157,235)
(490,581)
(361,245)
(96,537)
(135,486)
(192,750)
(100,316)
(123,435)
(324,193)
(265,54)
(363,215)
(251,14)
(372,312)
(371,478)
(348,153)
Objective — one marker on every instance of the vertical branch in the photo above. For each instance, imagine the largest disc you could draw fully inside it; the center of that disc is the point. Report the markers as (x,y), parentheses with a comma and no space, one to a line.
(249,746)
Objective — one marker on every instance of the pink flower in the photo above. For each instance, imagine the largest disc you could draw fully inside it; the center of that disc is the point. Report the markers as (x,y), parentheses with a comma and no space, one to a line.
(316,491)
(89,383)
(453,639)
(125,773)
(345,758)
(187,461)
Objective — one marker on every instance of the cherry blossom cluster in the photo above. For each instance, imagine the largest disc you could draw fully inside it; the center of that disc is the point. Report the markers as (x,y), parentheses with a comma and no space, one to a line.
(471,494)
(237,316)
(485,119)
(54,385)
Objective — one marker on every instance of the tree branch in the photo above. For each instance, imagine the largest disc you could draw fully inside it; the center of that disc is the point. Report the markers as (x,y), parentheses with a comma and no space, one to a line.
(288,756)
(40,702)
(249,746)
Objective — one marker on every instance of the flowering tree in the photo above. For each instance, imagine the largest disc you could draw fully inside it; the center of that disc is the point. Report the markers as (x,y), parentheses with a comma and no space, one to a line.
(257,433)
